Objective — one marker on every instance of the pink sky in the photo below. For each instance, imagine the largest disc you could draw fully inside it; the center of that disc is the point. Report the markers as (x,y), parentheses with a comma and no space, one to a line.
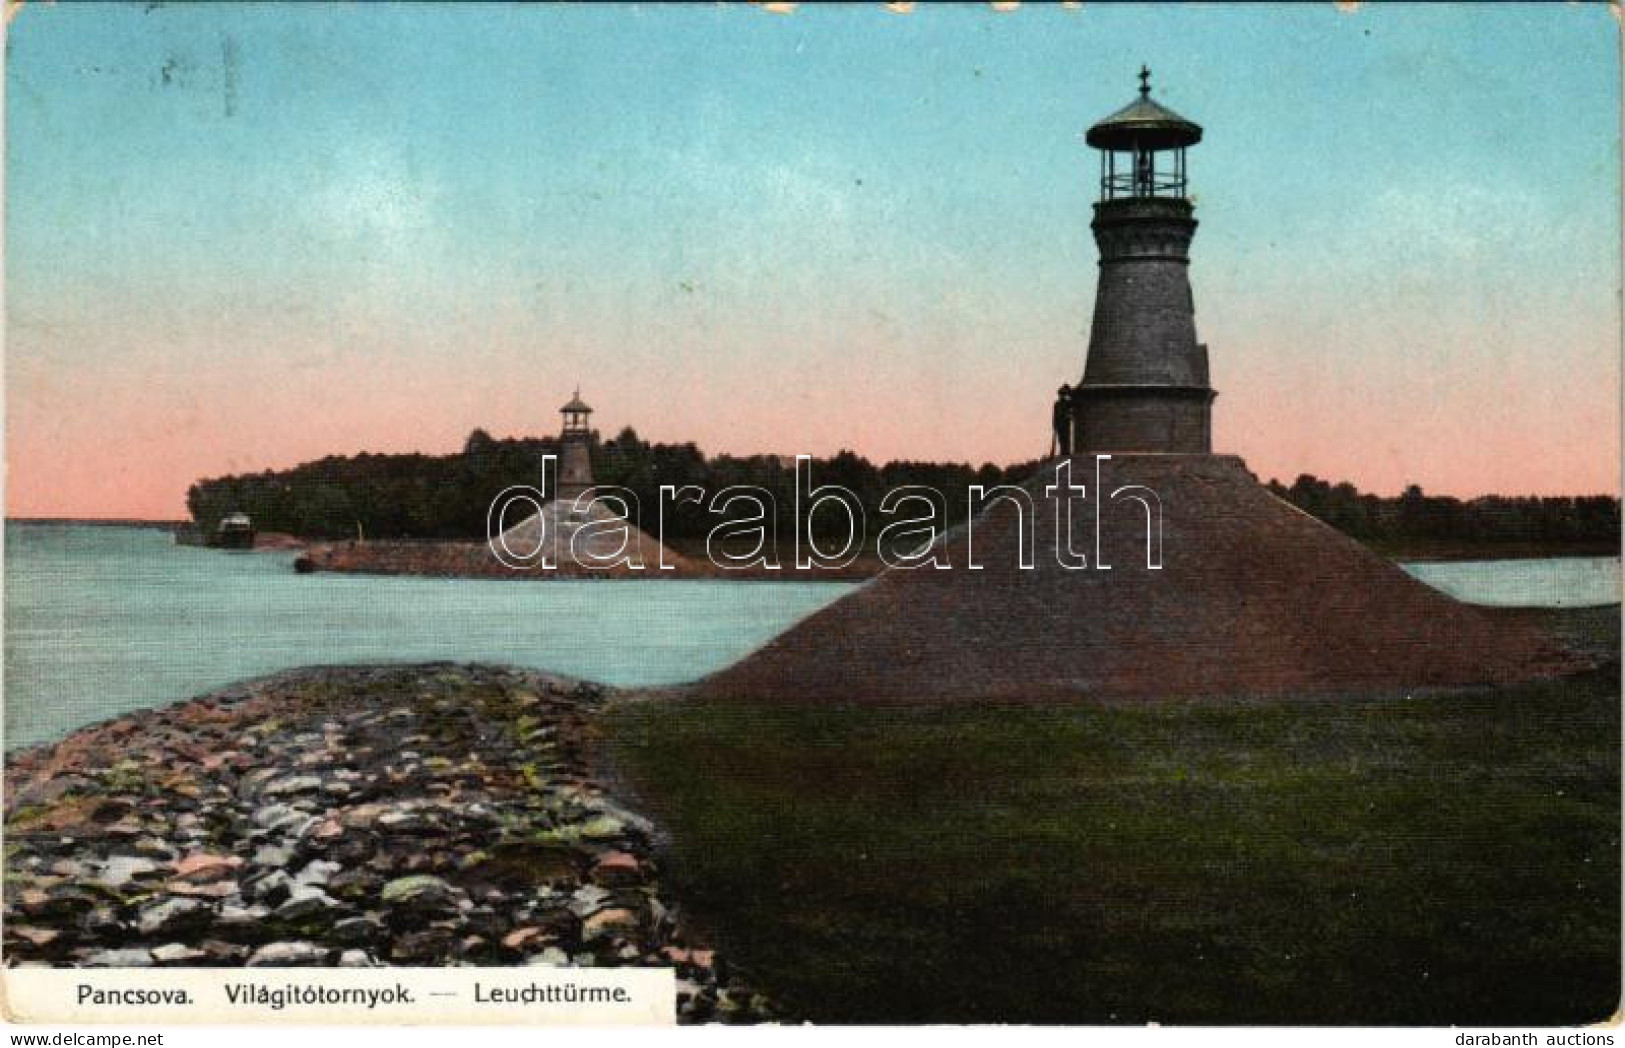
(793,235)
(125,439)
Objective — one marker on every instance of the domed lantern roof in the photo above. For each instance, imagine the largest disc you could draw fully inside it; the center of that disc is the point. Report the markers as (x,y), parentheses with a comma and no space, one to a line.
(1144,124)
(577,406)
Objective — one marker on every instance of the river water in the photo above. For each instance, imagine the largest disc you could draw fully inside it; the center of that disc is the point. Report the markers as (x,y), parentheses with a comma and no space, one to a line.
(103,620)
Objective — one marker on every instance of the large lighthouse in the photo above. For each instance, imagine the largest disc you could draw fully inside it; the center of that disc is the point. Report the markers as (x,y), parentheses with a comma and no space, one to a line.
(1250,595)
(1145,382)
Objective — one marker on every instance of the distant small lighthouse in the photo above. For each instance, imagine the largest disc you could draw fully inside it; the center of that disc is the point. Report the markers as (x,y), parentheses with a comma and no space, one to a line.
(1145,381)
(575,458)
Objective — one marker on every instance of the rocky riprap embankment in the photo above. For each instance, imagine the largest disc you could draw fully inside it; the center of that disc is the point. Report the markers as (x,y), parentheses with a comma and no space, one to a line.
(369,816)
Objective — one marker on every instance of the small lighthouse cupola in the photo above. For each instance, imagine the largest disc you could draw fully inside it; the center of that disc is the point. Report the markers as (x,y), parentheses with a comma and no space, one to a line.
(1145,380)
(575,416)
(575,456)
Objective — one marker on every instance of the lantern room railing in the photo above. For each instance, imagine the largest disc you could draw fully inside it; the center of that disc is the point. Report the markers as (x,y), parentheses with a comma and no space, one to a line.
(1139,175)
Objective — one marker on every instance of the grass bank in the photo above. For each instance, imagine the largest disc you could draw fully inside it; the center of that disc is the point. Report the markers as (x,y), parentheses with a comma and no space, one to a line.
(1449,858)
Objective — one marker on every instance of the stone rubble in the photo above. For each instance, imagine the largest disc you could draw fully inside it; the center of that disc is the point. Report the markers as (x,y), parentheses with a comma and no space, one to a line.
(354,817)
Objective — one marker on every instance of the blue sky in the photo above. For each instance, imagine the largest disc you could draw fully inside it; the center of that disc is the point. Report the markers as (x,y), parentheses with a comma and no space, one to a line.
(271,232)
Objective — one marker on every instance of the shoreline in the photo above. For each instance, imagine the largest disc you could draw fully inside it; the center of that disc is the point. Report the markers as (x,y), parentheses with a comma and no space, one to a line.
(356,816)
(472,560)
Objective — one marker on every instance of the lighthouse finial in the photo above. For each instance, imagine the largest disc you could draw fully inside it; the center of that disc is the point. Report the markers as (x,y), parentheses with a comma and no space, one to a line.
(1145,82)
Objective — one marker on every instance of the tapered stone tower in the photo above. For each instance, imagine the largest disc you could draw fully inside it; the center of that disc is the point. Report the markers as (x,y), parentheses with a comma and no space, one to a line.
(1145,382)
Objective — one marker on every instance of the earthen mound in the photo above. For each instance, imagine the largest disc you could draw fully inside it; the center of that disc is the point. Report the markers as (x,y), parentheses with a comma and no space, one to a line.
(1253,597)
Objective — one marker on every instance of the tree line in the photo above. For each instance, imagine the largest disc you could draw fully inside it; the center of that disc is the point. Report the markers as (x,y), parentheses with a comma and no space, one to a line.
(1414,515)
(448,496)
(415,496)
